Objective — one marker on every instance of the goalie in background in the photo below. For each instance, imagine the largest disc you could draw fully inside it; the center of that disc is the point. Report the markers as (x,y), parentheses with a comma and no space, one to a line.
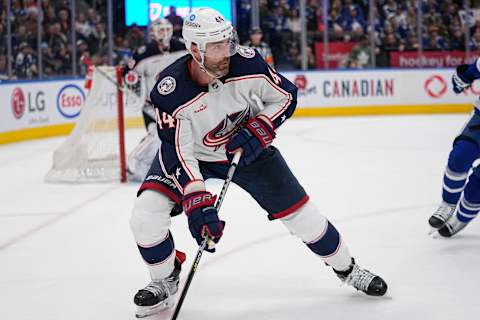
(140,76)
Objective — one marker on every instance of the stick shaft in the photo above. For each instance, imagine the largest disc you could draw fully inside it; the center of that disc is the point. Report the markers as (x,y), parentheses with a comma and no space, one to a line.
(193,269)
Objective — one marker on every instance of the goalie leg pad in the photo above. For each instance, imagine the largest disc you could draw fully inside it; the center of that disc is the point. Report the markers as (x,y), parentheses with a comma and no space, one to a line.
(141,158)
(320,236)
(150,224)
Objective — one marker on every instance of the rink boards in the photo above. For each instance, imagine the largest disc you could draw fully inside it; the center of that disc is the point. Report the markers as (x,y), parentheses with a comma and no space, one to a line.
(35,109)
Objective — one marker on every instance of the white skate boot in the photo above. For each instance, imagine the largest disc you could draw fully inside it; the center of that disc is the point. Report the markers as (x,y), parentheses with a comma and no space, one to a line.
(452,227)
(363,280)
(158,295)
(441,215)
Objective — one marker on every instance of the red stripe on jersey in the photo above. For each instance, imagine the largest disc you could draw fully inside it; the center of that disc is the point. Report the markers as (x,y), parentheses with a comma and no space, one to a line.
(162,189)
(292,209)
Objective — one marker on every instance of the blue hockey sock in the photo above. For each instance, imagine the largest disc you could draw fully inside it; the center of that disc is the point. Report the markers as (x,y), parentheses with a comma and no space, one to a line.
(460,160)
(470,201)
(159,252)
(328,242)
(472,72)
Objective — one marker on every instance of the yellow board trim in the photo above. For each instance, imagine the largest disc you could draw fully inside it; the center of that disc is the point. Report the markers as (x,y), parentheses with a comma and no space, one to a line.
(384,110)
(53,130)
(137,122)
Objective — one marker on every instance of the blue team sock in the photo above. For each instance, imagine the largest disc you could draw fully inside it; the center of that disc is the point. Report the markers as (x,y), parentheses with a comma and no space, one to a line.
(328,243)
(470,201)
(460,160)
(158,253)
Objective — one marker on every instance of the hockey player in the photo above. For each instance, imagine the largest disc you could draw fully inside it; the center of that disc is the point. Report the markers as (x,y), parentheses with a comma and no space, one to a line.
(141,74)
(219,99)
(461,192)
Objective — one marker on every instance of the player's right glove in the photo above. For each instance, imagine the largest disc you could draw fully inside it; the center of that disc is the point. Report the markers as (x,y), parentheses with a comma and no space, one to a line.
(203,216)
(464,76)
(256,136)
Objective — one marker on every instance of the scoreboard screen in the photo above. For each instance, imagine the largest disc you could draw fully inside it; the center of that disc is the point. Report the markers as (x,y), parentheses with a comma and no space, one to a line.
(141,12)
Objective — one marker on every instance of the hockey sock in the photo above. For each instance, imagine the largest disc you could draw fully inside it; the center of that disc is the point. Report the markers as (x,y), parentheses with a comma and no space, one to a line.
(470,200)
(331,248)
(460,160)
(157,255)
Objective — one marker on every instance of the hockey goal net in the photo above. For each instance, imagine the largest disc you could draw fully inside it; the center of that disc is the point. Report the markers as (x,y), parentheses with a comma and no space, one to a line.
(95,150)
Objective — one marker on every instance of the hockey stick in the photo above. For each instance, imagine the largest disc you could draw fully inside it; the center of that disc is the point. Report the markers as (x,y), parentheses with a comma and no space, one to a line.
(206,240)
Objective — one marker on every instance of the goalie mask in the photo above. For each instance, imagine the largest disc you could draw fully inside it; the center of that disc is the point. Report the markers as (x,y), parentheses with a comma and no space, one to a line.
(214,37)
(161,30)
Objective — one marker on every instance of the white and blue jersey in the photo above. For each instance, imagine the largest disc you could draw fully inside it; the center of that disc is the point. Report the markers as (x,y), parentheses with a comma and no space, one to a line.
(195,123)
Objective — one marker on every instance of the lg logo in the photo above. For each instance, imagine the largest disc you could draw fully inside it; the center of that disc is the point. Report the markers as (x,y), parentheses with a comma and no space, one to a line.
(32,102)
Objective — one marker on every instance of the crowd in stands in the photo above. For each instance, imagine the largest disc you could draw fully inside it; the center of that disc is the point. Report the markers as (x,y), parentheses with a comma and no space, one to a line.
(444,27)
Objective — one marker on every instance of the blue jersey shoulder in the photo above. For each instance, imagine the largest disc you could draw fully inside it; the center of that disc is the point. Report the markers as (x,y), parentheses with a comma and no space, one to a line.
(247,61)
(174,86)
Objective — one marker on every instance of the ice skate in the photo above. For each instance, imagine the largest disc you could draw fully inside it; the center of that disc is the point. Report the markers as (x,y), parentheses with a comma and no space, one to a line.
(363,280)
(452,227)
(158,295)
(441,215)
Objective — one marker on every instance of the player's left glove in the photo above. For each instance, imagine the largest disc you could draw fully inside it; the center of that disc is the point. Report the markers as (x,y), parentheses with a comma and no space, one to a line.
(251,140)
(464,76)
(203,216)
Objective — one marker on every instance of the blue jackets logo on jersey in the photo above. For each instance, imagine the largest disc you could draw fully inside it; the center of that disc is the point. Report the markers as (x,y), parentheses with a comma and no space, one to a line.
(167,85)
(246,52)
(226,128)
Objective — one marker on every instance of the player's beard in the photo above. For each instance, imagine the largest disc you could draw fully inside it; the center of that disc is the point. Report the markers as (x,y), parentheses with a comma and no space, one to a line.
(218,69)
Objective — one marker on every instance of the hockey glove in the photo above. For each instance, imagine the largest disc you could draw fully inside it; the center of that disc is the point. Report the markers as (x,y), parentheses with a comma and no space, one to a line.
(464,76)
(256,136)
(203,216)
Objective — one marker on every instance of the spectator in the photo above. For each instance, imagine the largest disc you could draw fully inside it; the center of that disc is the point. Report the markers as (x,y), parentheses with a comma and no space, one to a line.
(176,21)
(83,28)
(262,47)
(293,25)
(3,67)
(361,55)
(64,20)
(291,60)
(26,62)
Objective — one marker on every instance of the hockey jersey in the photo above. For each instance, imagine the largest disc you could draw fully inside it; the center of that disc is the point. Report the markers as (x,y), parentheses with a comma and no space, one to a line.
(194,123)
(149,61)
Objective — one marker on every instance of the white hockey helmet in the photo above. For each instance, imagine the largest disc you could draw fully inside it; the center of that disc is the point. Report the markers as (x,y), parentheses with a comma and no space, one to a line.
(161,30)
(206,25)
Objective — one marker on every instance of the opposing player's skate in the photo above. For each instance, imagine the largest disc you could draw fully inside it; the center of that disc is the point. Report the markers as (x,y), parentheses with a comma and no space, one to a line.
(158,295)
(452,227)
(441,215)
(363,280)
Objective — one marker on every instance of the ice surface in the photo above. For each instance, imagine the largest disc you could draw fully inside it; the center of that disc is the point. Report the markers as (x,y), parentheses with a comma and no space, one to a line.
(66,251)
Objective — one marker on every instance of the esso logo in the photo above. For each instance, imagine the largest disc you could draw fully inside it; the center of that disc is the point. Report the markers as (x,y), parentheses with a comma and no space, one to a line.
(301,82)
(18,103)
(435,86)
(70,100)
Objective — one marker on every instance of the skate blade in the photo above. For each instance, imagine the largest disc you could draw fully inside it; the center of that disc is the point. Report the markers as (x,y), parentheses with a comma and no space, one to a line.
(143,312)
(433,232)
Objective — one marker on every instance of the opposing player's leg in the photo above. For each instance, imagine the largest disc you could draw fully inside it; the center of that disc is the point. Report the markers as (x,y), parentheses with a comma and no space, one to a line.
(467,208)
(150,223)
(464,152)
(271,183)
